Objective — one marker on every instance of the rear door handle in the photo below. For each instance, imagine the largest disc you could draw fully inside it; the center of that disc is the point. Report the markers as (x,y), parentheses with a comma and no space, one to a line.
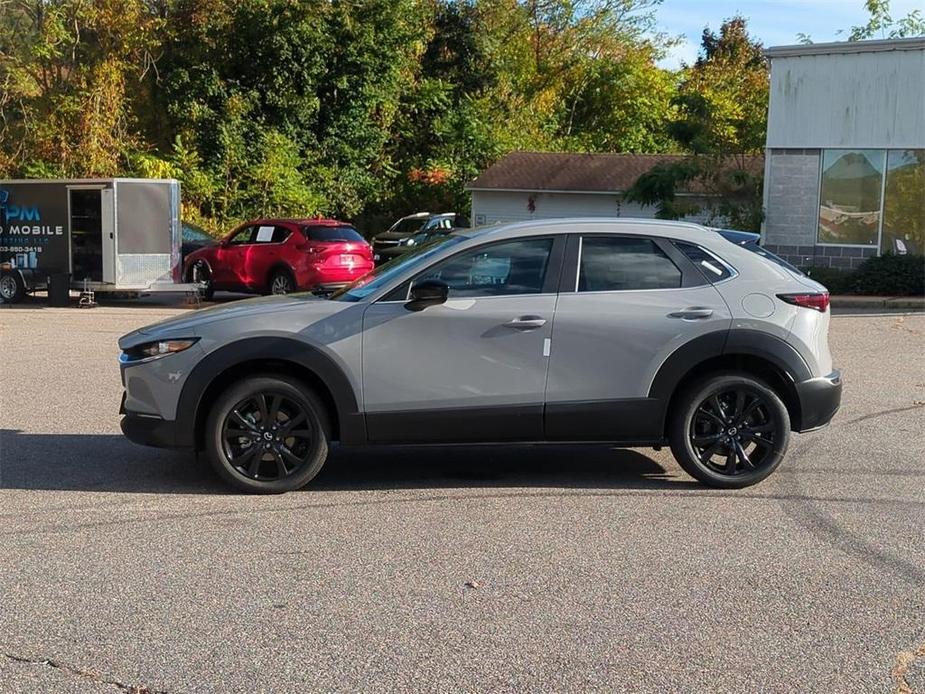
(526,323)
(692,313)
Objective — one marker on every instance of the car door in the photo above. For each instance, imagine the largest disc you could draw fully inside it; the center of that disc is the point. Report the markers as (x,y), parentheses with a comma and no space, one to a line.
(226,271)
(262,255)
(627,303)
(474,368)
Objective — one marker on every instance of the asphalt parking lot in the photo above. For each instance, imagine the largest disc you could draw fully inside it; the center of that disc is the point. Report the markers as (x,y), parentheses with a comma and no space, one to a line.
(454,569)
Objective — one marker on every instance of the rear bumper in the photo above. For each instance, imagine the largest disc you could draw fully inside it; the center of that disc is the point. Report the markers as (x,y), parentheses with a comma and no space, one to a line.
(820,399)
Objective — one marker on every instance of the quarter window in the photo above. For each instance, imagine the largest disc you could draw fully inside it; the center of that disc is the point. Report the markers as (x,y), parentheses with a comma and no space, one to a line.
(620,263)
(514,267)
(713,269)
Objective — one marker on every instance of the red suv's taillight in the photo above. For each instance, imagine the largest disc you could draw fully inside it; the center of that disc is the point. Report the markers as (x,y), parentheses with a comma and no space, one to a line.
(818,301)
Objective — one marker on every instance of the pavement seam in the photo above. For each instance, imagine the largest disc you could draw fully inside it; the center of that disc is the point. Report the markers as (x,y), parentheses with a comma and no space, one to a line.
(83,674)
(904,661)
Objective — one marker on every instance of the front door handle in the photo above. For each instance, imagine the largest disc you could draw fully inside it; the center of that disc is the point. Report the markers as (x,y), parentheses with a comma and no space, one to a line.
(526,323)
(692,313)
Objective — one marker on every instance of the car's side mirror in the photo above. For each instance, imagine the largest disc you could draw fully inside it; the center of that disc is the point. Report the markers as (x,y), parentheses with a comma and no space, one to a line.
(223,243)
(427,293)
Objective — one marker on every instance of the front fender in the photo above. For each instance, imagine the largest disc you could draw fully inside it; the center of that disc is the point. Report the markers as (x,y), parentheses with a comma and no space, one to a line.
(262,349)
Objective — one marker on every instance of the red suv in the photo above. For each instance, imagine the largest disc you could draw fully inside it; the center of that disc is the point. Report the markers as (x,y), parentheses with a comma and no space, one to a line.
(278,256)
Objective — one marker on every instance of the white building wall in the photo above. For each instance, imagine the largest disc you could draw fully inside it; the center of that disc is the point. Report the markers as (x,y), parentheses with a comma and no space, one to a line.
(848,97)
(491,207)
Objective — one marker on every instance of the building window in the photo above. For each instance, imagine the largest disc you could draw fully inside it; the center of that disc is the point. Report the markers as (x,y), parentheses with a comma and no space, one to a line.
(904,202)
(850,199)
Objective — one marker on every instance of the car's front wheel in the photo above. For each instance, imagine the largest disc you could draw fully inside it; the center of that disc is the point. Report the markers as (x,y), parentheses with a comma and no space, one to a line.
(267,435)
(729,430)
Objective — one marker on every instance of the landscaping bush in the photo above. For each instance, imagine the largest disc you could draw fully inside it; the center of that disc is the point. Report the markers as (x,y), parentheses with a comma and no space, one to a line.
(835,280)
(886,275)
(891,275)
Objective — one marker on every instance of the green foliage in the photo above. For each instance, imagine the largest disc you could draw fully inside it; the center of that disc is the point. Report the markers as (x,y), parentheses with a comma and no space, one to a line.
(721,116)
(891,275)
(881,24)
(885,275)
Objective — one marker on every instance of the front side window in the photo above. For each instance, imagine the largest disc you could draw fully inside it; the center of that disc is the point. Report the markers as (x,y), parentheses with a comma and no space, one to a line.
(242,236)
(904,202)
(509,268)
(849,209)
(620,263)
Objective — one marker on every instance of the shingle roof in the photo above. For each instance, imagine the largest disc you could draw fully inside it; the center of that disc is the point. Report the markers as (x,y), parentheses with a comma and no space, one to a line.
(562,171)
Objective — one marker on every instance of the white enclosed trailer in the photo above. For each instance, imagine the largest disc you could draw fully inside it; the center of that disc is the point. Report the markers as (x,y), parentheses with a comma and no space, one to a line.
(108,235)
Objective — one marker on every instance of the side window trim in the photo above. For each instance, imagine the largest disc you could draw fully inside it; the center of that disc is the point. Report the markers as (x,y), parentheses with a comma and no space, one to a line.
(551,282)
(690,275)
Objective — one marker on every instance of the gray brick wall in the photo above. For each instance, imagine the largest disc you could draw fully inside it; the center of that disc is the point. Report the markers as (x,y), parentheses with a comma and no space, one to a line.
(792,213)
(792,202)
(841,257)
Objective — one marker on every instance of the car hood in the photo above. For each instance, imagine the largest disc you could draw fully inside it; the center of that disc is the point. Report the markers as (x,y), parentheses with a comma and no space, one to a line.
(189,324)
(393,235)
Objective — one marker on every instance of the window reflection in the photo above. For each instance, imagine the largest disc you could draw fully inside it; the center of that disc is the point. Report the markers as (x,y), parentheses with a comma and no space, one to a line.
(904,202)
(852,181)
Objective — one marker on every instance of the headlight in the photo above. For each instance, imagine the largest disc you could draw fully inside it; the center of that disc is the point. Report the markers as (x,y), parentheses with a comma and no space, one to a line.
(407,242)
(160,348)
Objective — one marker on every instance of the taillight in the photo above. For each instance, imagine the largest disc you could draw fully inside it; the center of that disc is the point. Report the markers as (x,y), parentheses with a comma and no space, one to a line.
(818,301)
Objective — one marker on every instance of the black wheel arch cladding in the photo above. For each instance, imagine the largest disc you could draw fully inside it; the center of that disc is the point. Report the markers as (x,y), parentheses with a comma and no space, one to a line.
(269,350)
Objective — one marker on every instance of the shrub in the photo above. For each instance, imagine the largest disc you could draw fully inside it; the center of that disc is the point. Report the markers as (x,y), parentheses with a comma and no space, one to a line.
(835,280)
(891,275)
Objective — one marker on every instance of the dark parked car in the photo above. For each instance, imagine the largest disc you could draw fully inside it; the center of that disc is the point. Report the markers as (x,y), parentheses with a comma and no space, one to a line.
(400,233)
(415,241)
(195,237)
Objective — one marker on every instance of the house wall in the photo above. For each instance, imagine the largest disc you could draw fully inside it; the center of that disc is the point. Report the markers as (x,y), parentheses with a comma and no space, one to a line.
(490,207)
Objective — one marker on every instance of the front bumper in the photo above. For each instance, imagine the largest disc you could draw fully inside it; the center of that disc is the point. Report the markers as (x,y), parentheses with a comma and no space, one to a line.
(149,431)
(820,399)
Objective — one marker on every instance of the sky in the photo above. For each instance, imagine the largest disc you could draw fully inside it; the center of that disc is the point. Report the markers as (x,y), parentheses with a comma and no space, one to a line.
(773,22)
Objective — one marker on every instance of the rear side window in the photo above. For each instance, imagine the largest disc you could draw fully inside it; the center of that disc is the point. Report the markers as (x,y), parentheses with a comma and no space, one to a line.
(331,233)
(615,263)
(758,250)
(712,268)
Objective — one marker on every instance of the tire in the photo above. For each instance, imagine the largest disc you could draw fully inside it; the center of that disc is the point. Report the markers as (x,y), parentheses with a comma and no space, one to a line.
(712,440)
(256,457)
(281,282)
(199,273)
(12,288)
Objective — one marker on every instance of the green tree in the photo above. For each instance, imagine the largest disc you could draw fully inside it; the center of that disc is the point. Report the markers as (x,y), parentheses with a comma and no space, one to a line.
(721,120)
(881,24)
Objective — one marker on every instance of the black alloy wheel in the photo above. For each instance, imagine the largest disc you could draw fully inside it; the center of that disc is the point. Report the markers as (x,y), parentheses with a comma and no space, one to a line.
(267,434)
(730,431)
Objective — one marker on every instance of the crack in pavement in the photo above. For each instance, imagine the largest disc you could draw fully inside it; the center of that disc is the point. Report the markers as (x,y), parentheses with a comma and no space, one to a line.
(83,674)
(904,661)
(882,413)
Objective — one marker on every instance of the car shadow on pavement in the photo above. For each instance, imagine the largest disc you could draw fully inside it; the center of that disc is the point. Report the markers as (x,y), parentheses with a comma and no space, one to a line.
(110,463)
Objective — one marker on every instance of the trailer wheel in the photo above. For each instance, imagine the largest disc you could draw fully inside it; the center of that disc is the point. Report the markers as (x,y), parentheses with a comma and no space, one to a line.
(12,288)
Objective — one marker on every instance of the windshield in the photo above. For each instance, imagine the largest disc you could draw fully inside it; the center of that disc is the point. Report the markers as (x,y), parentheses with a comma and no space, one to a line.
(408,225)
(191,232)
(383,275)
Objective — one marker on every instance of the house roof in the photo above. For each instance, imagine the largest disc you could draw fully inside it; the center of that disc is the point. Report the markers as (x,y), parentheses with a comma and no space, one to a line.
(572,173)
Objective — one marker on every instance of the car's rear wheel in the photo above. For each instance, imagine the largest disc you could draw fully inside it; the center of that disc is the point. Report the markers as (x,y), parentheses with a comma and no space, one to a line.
(729,430)
(267,435)
(12,289)
(281,282)
(200,274)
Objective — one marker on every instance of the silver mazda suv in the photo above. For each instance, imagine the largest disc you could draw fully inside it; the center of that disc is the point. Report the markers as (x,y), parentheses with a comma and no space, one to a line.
(629,332)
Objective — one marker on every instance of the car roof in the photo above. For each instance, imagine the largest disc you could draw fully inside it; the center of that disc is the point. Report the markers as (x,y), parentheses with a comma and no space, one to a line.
(687,231)
(318,221)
